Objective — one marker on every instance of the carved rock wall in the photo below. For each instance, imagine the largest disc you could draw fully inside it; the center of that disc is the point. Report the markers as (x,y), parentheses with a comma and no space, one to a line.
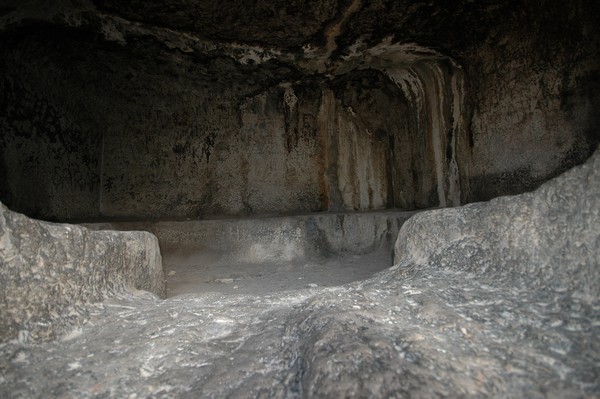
(106,112)
(532,90)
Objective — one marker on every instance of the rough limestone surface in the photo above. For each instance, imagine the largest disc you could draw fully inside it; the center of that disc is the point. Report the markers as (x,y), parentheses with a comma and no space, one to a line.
(50,273)
(274,239)
(490,300)
(117,110)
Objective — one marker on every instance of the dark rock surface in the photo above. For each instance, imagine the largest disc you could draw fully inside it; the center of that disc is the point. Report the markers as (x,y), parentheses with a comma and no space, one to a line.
(354,105)
(499,299)
(50,273)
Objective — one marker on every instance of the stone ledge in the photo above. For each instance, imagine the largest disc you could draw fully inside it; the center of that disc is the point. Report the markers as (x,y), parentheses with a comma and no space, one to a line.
(545,238)
(286,239)
(50,272)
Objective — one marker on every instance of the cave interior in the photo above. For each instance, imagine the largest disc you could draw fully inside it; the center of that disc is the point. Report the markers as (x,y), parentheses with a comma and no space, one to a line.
(279,146)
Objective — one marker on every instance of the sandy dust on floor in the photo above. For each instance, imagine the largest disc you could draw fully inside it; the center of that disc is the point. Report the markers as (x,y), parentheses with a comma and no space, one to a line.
(188,275)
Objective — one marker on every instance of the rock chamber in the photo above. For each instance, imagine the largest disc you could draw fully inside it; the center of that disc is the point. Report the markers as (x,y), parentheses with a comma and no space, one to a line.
(339,198)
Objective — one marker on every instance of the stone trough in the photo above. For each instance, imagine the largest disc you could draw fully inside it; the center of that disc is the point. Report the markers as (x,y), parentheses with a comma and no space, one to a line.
(262,255)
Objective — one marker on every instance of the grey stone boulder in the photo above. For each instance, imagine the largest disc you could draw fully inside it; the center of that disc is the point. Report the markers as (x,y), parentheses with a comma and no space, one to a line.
(546,239)
(50,273)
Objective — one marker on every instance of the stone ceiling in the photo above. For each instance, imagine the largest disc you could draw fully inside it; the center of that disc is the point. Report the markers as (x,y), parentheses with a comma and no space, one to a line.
(288,30)
(324,37)
(296,24)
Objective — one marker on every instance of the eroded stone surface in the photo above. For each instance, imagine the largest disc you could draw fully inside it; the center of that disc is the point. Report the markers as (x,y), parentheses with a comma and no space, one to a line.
(273,239)
(355,105)
(498,299)
(266,255)
(50,273)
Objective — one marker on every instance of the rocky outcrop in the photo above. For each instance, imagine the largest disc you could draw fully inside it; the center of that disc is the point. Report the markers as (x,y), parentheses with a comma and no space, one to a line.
(498,299)
(491,299)
(50,273)
(548,239)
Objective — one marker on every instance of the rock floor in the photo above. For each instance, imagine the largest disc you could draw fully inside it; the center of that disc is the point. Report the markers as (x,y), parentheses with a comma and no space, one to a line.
(497,299)
(400,333)
(186,275)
